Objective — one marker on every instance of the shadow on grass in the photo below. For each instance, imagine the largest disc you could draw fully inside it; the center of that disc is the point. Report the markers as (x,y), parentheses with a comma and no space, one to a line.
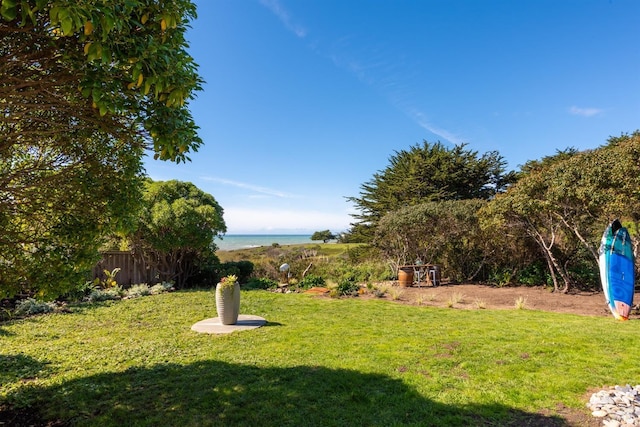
(18,367)
(212,393)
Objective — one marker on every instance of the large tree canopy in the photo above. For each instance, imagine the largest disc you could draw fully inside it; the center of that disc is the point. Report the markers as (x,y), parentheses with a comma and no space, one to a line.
(430,172)
(176,229)
(116,66)
(85,88)
(445,233)
(563,202)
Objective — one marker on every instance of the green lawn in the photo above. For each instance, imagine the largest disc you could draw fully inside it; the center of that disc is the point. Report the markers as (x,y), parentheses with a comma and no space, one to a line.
(317,362)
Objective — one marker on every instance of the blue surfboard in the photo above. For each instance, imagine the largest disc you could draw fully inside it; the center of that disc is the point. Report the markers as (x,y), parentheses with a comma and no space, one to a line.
(617,269)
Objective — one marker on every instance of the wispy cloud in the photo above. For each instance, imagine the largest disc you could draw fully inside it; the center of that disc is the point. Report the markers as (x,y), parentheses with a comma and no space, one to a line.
(423,122)
(388,74)
(585,112)
(373,65)
(285,17)
(251,187)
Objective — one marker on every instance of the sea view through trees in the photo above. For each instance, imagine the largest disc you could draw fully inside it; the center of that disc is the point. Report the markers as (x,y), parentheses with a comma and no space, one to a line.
(242,241)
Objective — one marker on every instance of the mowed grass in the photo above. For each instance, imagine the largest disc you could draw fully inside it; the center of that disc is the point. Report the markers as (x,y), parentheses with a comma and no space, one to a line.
(317,362)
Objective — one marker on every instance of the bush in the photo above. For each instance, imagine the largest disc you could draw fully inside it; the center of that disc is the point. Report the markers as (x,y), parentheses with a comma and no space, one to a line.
(347,288)
(534,274)
(30,307)
(310,281)
(139,290)
(81,292)
(261,283)
(241,269)
(160,288)
(370,271)
(98,295)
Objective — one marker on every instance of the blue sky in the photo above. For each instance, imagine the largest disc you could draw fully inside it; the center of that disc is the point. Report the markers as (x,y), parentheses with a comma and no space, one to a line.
(306,99)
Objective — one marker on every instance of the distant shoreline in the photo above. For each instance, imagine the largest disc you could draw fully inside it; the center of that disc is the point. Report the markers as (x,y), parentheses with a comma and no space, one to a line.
(232,242)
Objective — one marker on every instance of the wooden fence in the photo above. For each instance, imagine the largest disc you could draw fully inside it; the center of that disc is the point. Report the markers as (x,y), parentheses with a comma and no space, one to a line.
(131,271)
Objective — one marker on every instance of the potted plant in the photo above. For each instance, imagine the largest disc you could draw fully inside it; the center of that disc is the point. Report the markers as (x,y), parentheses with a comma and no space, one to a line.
(228,300)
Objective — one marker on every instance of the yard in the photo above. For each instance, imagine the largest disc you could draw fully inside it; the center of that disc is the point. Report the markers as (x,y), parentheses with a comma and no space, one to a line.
(318,361)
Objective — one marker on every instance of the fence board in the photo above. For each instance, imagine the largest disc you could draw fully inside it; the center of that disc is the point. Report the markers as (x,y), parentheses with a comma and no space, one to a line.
(131,272)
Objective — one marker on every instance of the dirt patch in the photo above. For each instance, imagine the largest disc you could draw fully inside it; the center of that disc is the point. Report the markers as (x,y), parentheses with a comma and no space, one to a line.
(475,296)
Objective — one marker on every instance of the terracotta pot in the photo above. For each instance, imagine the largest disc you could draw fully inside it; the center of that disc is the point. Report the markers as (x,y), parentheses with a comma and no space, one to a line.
(228,303)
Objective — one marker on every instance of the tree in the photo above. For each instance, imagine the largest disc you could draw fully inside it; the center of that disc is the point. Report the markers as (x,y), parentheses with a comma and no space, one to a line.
(429,172)
(176,229)
(85,88)
(324,235)
(121,67)
(56,206)
(563,202)
(445,233)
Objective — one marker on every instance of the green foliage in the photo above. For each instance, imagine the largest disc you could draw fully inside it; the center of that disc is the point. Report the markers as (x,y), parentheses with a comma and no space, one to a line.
(86,87)
(80,292)
(127,59)
(563,202)
(139,290)
(446,233)
(109,280)
(534,274)
(324,235)
(429,172)
(109,294)
(30,306)
(55,206)
(260,283)
(331,262)
(347,287)
(240,269)
(310,281)
(176,230)
(160,288)
(135,291)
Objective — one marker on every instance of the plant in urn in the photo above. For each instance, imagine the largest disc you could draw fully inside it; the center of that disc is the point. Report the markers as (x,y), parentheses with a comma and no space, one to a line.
(228,300)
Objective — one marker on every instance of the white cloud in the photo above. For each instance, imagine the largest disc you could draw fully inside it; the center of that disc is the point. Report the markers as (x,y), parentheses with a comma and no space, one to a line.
(283,15)
(422,121)
(585,112)
(241,220)
(250,187)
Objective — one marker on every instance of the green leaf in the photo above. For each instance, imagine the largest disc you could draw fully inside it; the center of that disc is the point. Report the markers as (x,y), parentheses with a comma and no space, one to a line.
(9,10)
(66,25)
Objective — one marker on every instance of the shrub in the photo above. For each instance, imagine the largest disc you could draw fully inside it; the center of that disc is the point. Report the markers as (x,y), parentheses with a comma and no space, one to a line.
(139,290)
(80,292)
(241,269)
(311,280)
(261,283)
(30,306)
(534,274)
(160,288)
(98,295)
(347,288)
(500,278)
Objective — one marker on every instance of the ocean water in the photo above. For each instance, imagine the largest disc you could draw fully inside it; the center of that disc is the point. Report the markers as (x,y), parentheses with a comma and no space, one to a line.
(243,241)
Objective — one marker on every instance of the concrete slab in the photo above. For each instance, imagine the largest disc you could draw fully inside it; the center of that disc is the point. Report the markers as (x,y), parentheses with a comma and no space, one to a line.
(213,325)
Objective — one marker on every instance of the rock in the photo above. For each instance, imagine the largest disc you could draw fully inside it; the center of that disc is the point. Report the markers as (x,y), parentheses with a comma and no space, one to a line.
(617,407)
